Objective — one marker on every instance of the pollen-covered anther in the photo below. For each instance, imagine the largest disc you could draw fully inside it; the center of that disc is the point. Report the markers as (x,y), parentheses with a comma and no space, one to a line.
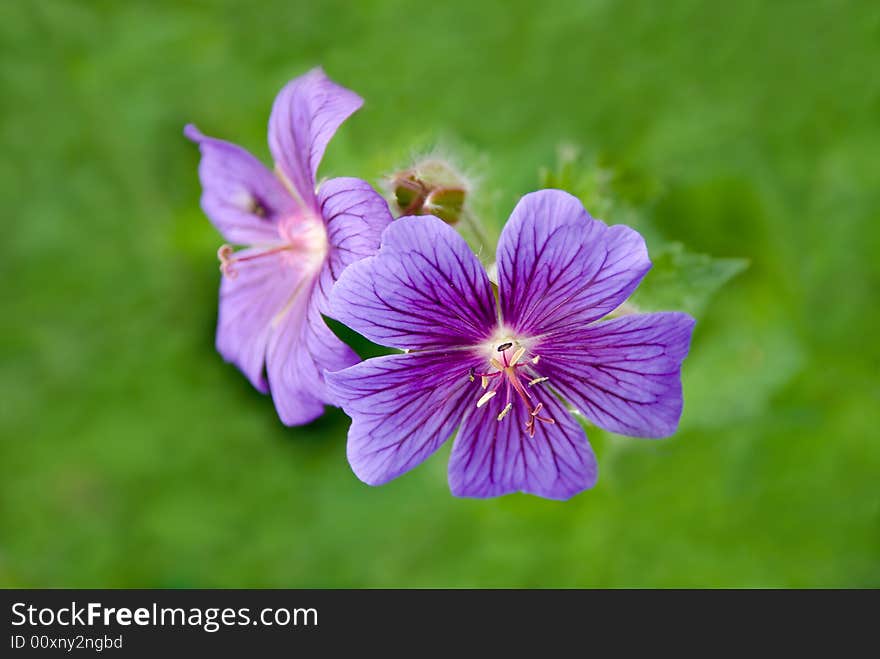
(517,356)
(225,254)
(485,398)
(511,371)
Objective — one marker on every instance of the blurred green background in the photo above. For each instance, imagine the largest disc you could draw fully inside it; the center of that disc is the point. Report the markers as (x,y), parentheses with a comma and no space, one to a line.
(131,455)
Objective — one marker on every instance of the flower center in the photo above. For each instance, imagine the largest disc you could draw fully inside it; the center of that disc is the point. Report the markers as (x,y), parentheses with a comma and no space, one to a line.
(303,244)
(512,368)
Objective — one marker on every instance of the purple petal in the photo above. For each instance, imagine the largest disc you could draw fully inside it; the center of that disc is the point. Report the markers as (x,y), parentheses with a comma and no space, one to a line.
(299,352)
(424,288)
(304,347)
(624,374)
(355,216)
(403,407)
(306,114)
(560,269)
(492,457)
(240,196)
(251,306)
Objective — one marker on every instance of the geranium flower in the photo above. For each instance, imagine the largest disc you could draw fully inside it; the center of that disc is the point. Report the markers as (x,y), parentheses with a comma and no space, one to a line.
(502,369)
(298,240)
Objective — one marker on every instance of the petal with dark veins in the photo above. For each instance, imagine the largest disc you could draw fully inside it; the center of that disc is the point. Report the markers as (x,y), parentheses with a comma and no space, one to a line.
(305,116)
(492,457)
(559,269)
(240,196)
(425,288)
(403,407)
(623,374)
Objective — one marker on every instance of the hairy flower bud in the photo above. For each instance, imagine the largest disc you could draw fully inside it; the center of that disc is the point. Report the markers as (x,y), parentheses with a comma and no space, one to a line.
(430,187)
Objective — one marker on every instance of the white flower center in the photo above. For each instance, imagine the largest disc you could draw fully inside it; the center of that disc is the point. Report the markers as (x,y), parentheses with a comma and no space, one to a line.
(512,372)
(303,244)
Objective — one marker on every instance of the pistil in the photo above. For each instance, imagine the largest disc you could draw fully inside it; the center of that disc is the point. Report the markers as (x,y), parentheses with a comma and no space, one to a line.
(517,375)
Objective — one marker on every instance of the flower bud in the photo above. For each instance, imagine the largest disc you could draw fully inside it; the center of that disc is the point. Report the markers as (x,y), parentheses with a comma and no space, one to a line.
(431,187)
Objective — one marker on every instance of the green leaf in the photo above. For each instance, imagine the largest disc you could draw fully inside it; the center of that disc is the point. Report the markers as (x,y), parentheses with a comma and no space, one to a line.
(585,179)
(735,372)
(684,281)
(679,280)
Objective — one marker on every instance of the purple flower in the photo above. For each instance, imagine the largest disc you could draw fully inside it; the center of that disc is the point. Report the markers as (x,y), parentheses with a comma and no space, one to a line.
(299,240)
(499,369)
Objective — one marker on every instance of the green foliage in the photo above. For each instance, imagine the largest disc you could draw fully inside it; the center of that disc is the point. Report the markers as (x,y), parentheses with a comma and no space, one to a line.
(679,280)
(587,180)
(683,281)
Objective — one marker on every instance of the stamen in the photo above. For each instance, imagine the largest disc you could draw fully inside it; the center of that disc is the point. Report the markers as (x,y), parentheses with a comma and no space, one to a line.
(226,254)
(471,374)
(517,356)
(514,377)
(485,398)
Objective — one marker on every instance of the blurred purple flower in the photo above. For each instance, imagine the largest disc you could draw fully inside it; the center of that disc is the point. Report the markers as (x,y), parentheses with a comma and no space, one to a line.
(500,371)
(299,241)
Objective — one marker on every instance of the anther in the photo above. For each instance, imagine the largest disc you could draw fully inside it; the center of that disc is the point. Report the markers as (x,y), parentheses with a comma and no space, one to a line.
(504,346)
(517,356)
(484,382)
(471,374)
(536,359)
(532,383)
(224,253)
(504,412)
(485,398)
